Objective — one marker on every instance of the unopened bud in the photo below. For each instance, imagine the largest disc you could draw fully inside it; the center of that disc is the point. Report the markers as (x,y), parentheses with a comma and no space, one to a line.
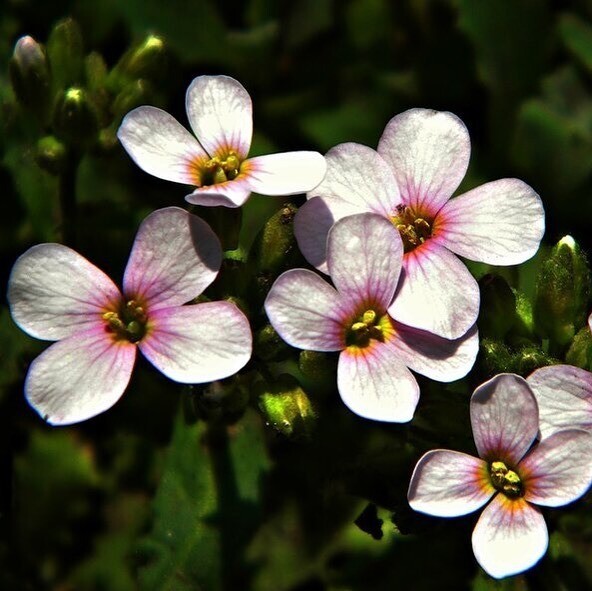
(496,357)
(530,358)
(580,350)
(30,77)
(75,119)
(148,60)
(66,54)
(286,407)
(131,96)
(95,70)
(498,307)
(51,154)
(269,345)
(563,290)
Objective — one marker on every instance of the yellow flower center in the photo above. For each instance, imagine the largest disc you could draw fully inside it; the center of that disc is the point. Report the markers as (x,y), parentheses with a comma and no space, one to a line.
(366,327)
(415,228)
(127,324)
(219,170)
(506,480)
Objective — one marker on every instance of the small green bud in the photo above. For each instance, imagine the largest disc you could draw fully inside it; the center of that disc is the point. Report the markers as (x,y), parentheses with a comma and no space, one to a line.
(149,59)
(498,307)
(286,407)
(30,77)
(269,345)
(563,291)
(75,119)
(131,96)
(580,350)
(51,154)
(276,241)
(530,358)
(66,54)
(496,357)
(95,70)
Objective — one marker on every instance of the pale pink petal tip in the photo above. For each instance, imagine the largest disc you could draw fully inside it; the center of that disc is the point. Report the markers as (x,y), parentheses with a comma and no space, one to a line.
(448,484)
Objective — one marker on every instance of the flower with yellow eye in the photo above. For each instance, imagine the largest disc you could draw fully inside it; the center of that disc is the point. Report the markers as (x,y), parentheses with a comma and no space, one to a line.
(215,161)
(510,474)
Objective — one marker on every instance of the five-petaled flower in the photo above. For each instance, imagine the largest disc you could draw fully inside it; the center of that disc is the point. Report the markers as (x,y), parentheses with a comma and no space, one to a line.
(364,254)
(220,113)
(510,535)
(56,294)
(421,159)
(564,396)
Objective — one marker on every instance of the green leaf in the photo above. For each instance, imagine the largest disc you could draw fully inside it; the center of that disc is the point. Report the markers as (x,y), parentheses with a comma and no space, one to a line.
(576,35)
(206,508)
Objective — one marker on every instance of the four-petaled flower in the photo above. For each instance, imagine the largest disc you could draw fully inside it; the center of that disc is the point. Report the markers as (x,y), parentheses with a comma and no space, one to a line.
(564,396)
(56,294)
(510,535)
(364,254)
(220,113)
(421,159)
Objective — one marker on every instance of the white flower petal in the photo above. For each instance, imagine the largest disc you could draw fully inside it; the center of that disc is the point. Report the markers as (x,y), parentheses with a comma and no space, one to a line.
(80,376)
(436,292)
(221,115)
(559,469)
(229,194)
(504,416)
(374,383)
(564,396)
(160,145)
(434,357)
(428,152)
(510,537)
(287,173)
(198,343)
(54,292)
(175,256)
(359,177)
(364,256)
(306,311)
(500,223)
(449,483)
(312,224)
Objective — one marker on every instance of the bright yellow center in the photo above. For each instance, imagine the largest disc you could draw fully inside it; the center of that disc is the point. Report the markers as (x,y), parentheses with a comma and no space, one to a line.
(366,327)
(506,480)
(219,169)
(127,324)
(415,228)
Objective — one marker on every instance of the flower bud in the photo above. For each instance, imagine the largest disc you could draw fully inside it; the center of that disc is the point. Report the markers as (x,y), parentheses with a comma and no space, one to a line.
(131,96)
(51,154)
(269,345)
(95,70)
(530,358)
(148,60)
(580,350)
(75,119)
(496,357)
(286,407)
(498,307)
(30,77)
(563,290)
(66,54)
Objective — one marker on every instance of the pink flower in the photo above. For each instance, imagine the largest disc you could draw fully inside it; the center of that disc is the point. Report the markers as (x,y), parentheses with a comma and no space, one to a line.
(422,157)
(364,255)
(220,113)
(564,396)
(510,535)
(56,294)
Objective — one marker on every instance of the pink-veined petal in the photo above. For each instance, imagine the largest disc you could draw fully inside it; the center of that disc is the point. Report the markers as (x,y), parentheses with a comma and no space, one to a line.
(449,483)
(220,112)
(160,145)
(364,255)
(436,292)
(500,223)
(198,343)
(434,357)
(229,194)
(428,152)
(287,173)
(559,469)
(510,537)
(306,311)
(375,384)
(358,176)
(80,376)
(504,417)
(312,224)
(54,292)
(564,396)
(175,256)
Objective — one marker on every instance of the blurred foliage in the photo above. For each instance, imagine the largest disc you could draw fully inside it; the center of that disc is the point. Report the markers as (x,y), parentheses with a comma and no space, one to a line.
(266,481)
